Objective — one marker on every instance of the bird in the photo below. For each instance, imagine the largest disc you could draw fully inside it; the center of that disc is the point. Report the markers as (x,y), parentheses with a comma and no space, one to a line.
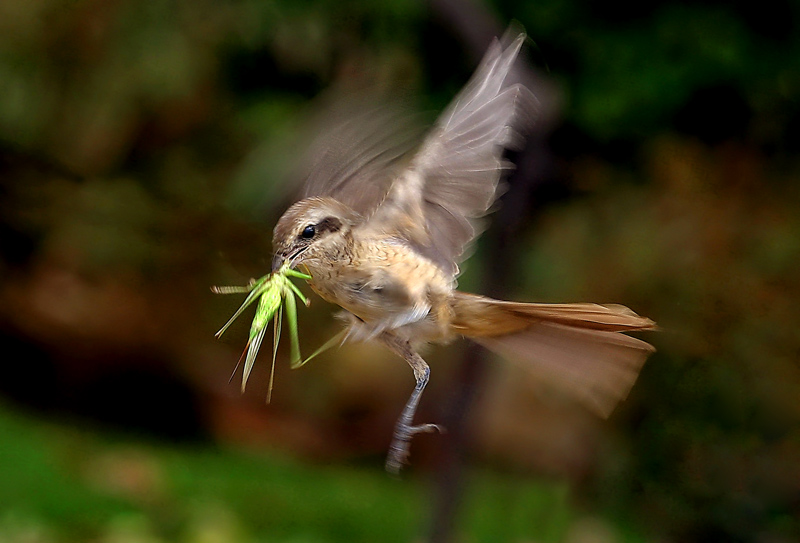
(381,228)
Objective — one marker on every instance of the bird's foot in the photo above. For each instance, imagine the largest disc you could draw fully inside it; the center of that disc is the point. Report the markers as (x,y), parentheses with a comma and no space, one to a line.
(398,450)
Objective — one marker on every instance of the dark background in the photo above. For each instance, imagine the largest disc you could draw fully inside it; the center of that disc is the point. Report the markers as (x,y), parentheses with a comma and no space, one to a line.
(144,151)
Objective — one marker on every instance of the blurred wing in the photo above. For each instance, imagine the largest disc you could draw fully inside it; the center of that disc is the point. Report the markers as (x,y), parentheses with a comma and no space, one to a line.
(364,145)
(452,179)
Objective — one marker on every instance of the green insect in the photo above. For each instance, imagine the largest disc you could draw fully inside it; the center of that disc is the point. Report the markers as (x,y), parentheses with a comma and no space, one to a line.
(275,290)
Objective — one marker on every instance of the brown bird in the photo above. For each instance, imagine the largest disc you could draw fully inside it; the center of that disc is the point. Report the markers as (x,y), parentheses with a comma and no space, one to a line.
(381,232)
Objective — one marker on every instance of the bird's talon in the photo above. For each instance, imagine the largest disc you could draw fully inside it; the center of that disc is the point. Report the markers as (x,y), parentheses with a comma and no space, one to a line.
(426,429)
(399,449)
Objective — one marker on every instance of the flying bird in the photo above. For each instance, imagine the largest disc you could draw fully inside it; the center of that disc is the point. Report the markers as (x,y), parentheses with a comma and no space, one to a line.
(382,227)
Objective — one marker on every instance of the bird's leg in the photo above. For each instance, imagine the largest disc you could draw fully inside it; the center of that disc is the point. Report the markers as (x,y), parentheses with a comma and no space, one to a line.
(404,430)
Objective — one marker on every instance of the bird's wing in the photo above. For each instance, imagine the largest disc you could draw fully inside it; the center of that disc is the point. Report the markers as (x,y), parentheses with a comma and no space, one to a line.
(359,146)
(452,178)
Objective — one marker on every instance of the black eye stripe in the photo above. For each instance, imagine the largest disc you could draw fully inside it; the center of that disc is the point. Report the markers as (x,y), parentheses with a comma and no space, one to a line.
(329,224)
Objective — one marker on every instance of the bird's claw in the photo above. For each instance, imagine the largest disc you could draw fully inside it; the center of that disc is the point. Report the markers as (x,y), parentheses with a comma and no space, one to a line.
(427,429)
(398,450)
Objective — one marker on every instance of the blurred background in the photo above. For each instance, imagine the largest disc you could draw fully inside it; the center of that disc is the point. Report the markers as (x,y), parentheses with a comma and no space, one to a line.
(144,148)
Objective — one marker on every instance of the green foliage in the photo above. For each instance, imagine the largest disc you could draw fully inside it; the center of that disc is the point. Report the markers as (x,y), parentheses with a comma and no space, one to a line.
(64,485)
(628,71)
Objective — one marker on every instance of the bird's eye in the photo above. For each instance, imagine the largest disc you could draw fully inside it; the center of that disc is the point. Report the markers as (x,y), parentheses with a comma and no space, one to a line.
(308,232)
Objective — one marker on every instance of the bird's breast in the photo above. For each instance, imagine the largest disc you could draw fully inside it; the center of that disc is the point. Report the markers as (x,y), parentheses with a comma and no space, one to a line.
(387,285)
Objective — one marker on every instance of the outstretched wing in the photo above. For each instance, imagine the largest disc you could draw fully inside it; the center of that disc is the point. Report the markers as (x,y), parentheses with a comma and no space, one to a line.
(358,147)
(452,179)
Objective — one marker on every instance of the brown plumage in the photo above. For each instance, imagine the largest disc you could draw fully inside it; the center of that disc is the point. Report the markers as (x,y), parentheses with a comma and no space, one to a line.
(383,225)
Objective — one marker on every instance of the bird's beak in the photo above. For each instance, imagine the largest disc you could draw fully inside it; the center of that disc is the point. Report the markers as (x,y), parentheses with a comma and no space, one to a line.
(277,262)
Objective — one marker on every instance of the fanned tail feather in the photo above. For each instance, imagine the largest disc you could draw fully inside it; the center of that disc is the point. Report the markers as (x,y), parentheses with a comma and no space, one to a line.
(580,348)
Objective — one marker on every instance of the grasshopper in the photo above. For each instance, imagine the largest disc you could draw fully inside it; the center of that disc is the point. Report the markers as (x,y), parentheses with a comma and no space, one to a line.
(275,290)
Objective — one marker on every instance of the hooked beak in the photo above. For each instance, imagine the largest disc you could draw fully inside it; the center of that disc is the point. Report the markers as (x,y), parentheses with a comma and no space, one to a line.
(280,258)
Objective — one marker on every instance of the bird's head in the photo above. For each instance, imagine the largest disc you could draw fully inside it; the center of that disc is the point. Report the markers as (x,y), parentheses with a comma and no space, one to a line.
(310,230)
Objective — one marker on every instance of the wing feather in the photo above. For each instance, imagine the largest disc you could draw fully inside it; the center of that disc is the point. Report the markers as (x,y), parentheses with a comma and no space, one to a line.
(452,179)
(358,147)
(431,196)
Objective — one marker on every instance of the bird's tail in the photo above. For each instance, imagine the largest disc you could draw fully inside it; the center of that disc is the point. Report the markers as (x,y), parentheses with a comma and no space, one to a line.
(580,348)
